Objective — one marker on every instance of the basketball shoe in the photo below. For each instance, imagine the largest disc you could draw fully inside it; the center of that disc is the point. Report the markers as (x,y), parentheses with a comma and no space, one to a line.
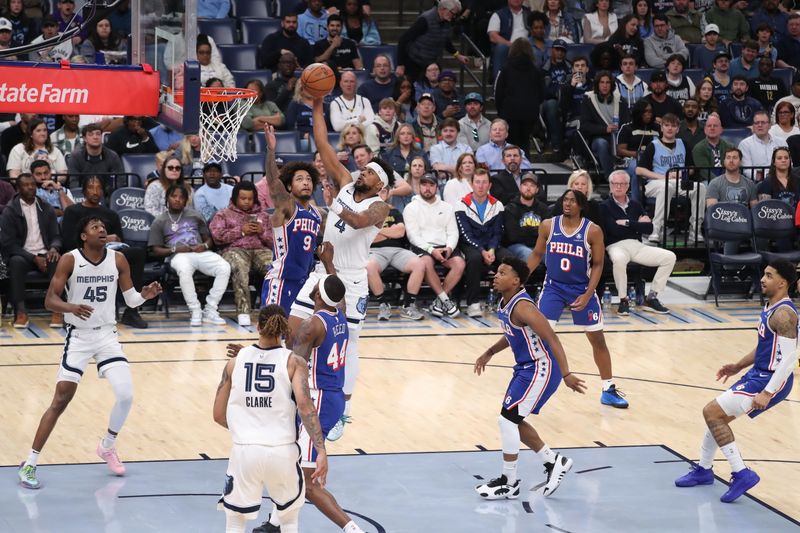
(741,482)
(555,473)
(27,477)
(614,398)
(337,431)
(267,527)
(696,476)
(109,455)
(498,489)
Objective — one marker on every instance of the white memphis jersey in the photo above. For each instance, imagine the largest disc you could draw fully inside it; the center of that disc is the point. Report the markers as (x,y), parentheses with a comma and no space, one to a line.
(94,285)
(261,408)
(350,245)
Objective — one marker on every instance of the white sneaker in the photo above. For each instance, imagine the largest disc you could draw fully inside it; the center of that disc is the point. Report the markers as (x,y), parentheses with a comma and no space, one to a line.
(197,318)
(243,319)
(474,310)
(555,473)
(384,312)
(450,308)
(499,489)
(337,430)
(411,312)
(655,237)
(212,317)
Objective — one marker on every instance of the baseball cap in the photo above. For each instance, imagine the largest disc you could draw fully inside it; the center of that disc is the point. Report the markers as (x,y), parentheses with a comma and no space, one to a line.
(426,96)
(711,28)
(560,43)
(429,177)
(212,164)
(447,74)
(473,97)
(5,24)
(722,53)
(529,176)
(658,76)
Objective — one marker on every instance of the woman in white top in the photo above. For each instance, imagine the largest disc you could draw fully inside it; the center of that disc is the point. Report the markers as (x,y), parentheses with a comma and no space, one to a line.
(785,122)
(461,184)
(155,195)
(36,145)
(349,106)
(599,24)
(211,69)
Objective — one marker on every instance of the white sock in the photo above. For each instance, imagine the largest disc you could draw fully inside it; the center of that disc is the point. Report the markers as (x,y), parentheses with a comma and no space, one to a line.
(510,471)
(347,408)
(707,450)
(273,516)
(731,452)
(352,527)
(108,440)
(547,455)
(607,384)
(443,296)
(33,458)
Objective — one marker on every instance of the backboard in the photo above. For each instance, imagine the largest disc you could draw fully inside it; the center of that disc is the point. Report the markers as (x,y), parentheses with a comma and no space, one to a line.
(164,35)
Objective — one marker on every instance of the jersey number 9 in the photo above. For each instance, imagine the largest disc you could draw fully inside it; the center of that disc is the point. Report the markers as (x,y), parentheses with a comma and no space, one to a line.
(261,379)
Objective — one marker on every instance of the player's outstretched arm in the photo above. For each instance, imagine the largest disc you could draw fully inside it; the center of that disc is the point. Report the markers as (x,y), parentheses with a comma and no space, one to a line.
(298,373)
(223,393)
(326,152)
(53,300)
(485,357)
(325,253)
(527,314)
(541,243)
(310,334)
(598,247)
(284,206)
(132,297)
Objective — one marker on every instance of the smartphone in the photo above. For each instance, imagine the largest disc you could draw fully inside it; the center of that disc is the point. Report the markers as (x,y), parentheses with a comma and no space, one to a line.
(254,219)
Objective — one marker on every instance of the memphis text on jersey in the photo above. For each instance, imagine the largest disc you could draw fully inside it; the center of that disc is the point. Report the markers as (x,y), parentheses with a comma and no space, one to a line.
(566,248)
(95,279)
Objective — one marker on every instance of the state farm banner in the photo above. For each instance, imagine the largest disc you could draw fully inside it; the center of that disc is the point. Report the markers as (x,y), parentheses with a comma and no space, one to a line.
(64,88)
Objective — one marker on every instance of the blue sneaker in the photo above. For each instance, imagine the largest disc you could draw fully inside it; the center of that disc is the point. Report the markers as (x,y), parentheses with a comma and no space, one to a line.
(696,476)
(614,398)
(741,482)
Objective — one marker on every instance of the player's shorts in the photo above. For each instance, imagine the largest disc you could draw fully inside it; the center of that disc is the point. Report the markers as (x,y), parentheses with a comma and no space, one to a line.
(280,291)
(356,296)
(391,255)
(83,344)
(253,467)
(330,408)
(556,296)
(531,387)
(738,400)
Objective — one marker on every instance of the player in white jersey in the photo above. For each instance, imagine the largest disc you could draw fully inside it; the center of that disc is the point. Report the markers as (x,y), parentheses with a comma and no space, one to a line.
(263,390)
(91,274)
(355,217)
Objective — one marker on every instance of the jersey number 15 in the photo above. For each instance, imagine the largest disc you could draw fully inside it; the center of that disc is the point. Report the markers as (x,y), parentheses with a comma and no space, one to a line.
(259,376)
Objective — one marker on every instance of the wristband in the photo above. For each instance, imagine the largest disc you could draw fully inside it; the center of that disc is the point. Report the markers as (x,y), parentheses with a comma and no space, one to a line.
(133,298)
(456,54)
(336,207)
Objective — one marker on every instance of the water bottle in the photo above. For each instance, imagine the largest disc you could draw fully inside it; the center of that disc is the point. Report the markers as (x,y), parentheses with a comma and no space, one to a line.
(632,296)
(615,120)
(607,298)
(490,300)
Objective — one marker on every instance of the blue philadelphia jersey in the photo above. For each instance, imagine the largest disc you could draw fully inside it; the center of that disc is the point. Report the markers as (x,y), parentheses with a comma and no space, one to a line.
(294,245)
(326,364)
(768,352)
(568,257)
(526,345)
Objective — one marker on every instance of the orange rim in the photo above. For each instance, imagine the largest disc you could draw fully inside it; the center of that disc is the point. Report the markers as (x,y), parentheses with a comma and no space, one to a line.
(224,94)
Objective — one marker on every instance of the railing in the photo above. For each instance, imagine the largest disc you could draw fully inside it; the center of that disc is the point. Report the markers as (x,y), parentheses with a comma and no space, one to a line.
(400,12)
(469,48)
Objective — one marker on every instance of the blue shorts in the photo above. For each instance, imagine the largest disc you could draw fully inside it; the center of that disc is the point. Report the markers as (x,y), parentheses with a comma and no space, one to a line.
(738,399)
(330,408)
(556,296)
(531,387)
(280,291)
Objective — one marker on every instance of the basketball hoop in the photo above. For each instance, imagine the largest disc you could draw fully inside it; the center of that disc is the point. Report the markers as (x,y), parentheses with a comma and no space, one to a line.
(222,111)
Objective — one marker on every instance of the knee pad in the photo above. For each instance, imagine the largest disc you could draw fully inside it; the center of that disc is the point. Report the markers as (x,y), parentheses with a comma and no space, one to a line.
(509,431)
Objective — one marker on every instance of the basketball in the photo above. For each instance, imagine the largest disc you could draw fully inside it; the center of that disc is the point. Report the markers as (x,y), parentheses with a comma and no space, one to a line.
(318,80)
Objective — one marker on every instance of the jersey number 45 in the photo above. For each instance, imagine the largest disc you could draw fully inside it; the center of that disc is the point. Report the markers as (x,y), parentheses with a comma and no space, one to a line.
(96,294)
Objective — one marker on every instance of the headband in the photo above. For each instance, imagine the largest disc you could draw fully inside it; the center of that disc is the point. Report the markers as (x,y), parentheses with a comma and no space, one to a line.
(324,295)
(376,168)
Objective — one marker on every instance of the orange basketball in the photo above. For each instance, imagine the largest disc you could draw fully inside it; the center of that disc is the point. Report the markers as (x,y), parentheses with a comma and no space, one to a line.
(318,80)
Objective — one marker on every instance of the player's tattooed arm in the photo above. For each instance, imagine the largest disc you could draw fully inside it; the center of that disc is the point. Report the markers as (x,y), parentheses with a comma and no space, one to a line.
(308,337)
(305,407)
(375,215)
(784,322)
(223,393)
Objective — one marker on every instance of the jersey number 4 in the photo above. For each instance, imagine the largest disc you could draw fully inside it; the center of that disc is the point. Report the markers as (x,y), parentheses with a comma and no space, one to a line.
(259,376)
(341,226)
(96,294)
(337,357)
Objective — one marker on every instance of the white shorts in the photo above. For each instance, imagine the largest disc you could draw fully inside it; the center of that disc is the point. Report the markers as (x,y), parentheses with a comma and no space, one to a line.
(84,344)
(356,297)
(253,467)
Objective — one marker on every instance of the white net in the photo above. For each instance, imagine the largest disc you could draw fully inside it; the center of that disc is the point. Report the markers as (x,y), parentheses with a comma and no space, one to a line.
(222,111)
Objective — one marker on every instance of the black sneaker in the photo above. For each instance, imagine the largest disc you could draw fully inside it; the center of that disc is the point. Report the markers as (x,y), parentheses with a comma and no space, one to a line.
(624,308)
(555,473)
(652,305)
(132,318)
(266,527)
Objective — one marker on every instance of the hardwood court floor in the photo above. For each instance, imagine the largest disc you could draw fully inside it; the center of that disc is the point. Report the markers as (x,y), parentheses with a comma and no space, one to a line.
(416,392)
